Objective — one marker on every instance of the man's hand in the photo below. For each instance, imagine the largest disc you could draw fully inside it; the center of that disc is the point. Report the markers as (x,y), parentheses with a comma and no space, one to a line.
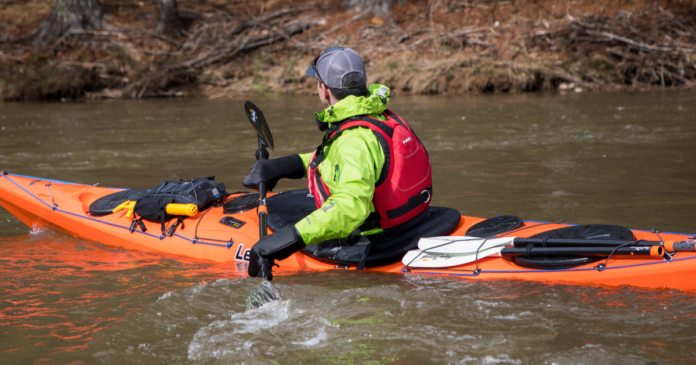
(271,171)
(277,246)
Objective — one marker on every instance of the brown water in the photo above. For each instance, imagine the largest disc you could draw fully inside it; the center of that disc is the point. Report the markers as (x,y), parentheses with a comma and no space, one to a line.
(627,159)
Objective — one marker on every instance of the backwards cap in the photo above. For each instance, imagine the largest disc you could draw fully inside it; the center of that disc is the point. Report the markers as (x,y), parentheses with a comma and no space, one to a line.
(334,64)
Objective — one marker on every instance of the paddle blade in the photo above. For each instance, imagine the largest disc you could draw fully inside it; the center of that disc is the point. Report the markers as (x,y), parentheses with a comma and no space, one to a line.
(258,121)
(426,259)
(462,244)
(262,294)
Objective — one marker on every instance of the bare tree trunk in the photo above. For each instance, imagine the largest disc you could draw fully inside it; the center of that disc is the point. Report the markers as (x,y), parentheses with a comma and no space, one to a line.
(169,22)
(70,15)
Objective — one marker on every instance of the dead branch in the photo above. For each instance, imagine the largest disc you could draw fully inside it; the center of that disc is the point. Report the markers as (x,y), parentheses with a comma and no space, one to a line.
(642,45)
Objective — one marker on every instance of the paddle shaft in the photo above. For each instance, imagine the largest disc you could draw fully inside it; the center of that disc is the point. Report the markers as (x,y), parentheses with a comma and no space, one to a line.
(584,251)
(578,242)
(262,154)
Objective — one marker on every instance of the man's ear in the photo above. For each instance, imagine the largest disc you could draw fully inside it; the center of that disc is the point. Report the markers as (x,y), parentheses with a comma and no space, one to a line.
(325,91)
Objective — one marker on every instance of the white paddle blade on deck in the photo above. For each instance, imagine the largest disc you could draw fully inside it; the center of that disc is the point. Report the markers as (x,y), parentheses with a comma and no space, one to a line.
(462,244)
(428,259)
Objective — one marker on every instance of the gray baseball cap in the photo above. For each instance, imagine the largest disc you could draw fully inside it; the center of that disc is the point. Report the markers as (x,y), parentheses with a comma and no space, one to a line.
(334,64)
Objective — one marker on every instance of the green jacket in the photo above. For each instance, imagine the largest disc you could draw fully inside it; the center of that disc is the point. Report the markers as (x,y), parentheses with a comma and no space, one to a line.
(351,167)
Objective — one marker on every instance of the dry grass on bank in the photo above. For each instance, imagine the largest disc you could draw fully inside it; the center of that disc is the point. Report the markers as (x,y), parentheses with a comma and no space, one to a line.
(435,46)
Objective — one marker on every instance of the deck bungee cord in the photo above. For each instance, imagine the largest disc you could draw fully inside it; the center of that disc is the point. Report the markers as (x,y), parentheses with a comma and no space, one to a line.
(195,240)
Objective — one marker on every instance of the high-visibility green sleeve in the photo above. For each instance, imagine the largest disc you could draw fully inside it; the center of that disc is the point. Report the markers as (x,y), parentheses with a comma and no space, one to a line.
(350,170)
(305,160)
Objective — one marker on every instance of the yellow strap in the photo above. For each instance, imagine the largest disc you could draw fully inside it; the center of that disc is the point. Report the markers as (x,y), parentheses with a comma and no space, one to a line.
(128,205)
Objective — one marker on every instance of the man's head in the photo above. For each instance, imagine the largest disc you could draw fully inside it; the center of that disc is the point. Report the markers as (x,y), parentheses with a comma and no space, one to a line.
(340,72)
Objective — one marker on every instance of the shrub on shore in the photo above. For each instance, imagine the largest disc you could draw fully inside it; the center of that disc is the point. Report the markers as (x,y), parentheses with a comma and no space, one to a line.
(224,48)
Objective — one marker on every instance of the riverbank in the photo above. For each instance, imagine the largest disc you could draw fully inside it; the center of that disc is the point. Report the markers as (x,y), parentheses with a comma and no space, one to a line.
(434,47)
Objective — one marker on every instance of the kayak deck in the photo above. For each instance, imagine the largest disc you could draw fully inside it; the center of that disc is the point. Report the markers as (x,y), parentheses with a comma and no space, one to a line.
(65,206)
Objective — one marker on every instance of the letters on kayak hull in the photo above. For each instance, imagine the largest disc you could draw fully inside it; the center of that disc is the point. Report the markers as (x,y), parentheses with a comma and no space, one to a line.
(65,206)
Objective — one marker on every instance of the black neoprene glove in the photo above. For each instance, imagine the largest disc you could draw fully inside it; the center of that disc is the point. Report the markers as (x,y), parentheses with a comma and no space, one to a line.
(271,171)
(277,246)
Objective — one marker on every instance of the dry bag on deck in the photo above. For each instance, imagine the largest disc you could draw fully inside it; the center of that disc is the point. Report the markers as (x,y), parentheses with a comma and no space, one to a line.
(202,192)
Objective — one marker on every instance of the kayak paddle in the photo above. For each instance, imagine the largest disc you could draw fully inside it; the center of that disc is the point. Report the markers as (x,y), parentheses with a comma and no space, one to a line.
(258,121)
(438,252)
(264,292)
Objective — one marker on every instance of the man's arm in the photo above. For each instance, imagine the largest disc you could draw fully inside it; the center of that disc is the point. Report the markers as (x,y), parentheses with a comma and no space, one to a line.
(305,160)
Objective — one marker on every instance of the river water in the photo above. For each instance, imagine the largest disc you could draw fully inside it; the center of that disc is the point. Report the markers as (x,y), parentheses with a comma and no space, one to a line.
(620,158)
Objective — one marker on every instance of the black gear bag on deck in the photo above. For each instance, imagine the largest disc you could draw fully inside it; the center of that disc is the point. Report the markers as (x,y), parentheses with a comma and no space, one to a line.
(203,192)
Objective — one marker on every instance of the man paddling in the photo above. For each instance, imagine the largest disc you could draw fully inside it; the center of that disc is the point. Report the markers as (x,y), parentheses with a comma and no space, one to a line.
(370,177)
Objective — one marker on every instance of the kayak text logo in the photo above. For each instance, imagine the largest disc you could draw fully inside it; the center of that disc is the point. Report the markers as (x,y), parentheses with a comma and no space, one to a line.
(245,257)
(436,257)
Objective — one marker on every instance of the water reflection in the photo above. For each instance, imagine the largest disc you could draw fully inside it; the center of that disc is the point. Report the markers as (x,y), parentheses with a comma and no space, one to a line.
(58,293)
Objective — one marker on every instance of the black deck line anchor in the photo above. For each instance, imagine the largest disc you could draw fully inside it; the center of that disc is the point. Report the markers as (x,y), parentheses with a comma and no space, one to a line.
(600,267)
(4,172)
(55,206)
(477,272)
(230,243)
(195,240)
(407,269)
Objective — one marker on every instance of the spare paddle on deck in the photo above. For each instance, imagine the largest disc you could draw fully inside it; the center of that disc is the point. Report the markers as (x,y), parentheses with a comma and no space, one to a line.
(264,292)
(453,251)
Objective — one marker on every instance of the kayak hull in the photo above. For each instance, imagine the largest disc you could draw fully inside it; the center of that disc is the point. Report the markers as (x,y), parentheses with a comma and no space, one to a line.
(64,206)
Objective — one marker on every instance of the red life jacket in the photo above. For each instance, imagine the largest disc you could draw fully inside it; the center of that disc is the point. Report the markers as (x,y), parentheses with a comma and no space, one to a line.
(404,188)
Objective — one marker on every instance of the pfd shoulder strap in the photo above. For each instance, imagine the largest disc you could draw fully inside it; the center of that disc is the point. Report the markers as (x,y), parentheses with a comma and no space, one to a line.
(337,129)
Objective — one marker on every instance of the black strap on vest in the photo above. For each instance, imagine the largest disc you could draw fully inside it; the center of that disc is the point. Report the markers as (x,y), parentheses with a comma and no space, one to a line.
(373,220)
(413,203)
(320,186)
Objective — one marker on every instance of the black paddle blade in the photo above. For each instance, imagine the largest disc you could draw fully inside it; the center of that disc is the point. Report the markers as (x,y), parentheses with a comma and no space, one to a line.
(258,121)
(262,294)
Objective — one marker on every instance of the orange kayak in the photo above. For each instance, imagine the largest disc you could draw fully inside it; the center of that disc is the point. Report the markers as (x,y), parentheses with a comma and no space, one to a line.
(65,206)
